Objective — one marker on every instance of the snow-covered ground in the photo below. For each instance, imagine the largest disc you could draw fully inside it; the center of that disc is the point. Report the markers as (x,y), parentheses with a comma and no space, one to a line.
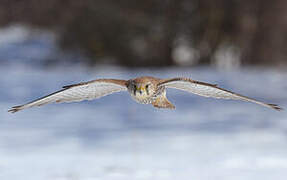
(115,138)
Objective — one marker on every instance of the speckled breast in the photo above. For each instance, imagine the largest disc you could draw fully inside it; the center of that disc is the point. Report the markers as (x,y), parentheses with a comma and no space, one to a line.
(141,100)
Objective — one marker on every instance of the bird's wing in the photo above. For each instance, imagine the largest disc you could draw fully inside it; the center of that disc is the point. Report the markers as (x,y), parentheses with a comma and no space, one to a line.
(78,92)
(209,90)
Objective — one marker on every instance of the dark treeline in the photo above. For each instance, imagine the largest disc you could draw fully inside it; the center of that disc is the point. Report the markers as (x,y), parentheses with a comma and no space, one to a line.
(146,33)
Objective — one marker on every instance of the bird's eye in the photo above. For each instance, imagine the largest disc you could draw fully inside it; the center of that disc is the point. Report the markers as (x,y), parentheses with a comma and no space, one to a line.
(146,86)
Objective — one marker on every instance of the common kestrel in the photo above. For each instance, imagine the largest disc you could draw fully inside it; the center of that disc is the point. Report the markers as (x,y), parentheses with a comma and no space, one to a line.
(144,90)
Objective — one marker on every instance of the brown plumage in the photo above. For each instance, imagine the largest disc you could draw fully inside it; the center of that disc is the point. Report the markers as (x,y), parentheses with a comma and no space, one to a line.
(145,90)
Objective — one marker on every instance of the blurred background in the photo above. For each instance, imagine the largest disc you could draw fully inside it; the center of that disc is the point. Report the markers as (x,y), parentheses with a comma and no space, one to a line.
(238,44)
(224,33)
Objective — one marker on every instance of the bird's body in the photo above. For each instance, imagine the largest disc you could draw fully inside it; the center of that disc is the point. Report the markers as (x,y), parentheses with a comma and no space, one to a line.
(144,90)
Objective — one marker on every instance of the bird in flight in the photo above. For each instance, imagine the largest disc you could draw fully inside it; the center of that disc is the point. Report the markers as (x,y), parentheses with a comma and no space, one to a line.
(144,90)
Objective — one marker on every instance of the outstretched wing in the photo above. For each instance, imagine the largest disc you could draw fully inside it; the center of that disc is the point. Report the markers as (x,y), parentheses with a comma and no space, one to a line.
(78,92)
(209,90)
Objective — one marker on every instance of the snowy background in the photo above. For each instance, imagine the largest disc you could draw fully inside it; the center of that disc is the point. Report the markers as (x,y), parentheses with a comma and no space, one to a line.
(114,138)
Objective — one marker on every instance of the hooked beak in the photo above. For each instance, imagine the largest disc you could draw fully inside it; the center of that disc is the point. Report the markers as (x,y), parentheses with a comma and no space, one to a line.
(140,89)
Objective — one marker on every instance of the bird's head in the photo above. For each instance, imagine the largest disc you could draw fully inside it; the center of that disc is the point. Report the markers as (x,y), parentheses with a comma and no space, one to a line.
(141,89)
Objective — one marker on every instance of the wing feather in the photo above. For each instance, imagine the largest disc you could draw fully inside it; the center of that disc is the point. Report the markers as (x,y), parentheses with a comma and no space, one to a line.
(209,90)
(78,92)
